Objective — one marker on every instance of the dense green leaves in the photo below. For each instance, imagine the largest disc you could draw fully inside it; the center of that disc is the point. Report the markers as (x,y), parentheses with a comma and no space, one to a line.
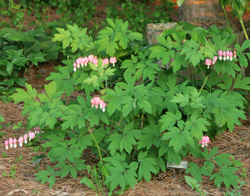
(20,50)
(153,112)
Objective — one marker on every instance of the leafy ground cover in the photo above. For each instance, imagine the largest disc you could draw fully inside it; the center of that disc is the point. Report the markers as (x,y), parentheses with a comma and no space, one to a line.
(22,182)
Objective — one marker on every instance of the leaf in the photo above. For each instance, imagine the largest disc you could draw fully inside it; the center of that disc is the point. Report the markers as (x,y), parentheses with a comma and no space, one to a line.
(197,171)
(9,68)
(180,2)
(128,107)
(240,83)
(169,119)
(117,170)
(146,166)
(178,141)
(73,172)
(1,118)
(52,180)
(136,36)
(212,153)
(178,62)
(223,160)
(85,180)
(42,175)
(127,141)
(245,45)
(192,182)
(50,89)
(229,178)
(149,136)
(217,179)
(110,48)
(144,104)
(197,126)
(114,145)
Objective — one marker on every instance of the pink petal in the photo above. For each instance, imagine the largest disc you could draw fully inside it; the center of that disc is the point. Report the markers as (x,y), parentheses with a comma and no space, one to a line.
(90,58)
(220,52)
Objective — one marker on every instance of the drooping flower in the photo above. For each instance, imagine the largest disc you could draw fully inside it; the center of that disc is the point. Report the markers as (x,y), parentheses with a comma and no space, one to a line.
(231,56)
(90,58)
(95,61)
(37,130)
(205,141)
(215,59)
(96,101)
(220,54)
(235,54)
(228,54)
(20,141)
(31,135)
(105,61)
(11,142)
(208,62)
(102,105)
(86,60)
(6,144)
(113,60)
(14,142)
(79,62)
(74,65)
(25,138)
(224,55)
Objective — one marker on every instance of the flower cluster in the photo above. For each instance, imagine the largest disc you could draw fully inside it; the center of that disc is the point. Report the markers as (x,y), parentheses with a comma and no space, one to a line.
(205,140)
(12,142)
(97,101)
(226,55)
(229,55)
(83,61)
(209,62)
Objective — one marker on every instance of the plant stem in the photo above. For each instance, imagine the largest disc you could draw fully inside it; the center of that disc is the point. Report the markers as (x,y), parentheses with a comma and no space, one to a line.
(225,13)
(204,83)
(243,27)
(202,71)
(99,186)
(97,146)
(120,120)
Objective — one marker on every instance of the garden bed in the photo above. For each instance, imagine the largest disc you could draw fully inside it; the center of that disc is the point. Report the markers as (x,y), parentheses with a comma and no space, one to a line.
(23,183)
(19,166)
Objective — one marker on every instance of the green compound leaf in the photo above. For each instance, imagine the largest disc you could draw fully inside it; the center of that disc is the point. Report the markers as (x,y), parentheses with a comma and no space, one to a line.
(121,174)
(146,166)
(223,160)
(169,119)
(197,171)
(240,83)
(85,180)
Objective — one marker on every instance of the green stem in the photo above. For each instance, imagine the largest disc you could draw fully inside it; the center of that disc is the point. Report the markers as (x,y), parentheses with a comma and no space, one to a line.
(225,13)
(115,123)
(97,146)
(204,83)
(243,27)
(120,120)
(202,71)
(100,155)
